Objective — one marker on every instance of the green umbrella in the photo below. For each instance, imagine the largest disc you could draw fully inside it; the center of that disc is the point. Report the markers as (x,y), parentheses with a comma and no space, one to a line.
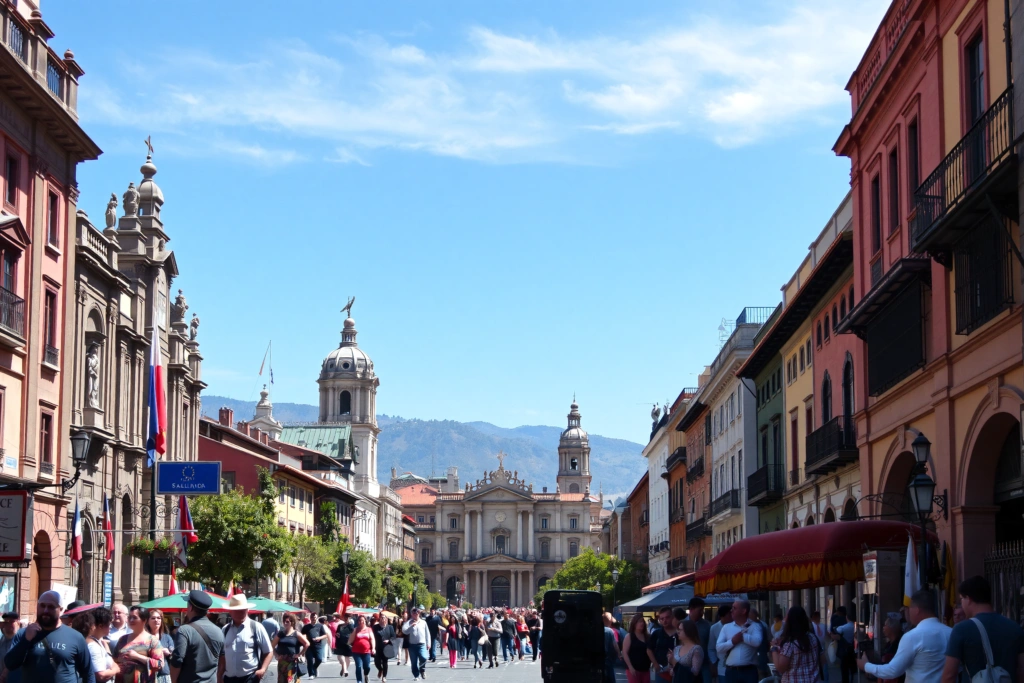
(268,605)
(179,602)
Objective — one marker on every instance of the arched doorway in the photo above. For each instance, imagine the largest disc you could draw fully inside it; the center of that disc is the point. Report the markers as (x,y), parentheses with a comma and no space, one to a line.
(451,590)
(1008,485)
(501,591)
(40,577)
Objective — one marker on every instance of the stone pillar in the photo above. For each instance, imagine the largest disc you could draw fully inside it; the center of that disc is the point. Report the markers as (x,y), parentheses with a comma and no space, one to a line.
(519,534)
(465,533)
(515,585)
(531,589)
(531,551)
(480,533)
(483,587)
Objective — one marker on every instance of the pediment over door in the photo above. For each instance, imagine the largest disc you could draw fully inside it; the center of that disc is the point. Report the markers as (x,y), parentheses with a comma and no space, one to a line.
(497,494)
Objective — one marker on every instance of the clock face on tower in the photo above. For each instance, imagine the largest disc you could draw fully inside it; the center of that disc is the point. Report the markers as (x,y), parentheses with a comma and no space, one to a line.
(499,517)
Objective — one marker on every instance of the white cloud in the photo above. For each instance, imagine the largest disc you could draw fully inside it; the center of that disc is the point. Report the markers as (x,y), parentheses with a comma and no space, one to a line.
(499,96)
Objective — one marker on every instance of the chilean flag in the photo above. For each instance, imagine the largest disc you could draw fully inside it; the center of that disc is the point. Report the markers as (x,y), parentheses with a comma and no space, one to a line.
(157,441)
(174,581)
(108,530)
(76,537)
(345,602)
(187,531)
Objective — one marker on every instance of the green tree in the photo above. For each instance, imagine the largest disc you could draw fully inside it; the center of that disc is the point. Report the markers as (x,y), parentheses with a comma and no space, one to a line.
(365,584)
(327,590)
(311,558)
(330,531)
(233,528)
(405,577)
(588,569)
(438,600)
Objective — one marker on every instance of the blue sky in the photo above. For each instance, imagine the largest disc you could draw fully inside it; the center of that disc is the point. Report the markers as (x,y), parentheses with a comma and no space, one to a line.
(527,199)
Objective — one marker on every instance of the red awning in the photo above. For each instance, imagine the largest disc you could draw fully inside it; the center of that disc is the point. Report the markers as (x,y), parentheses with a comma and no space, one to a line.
(683,578)
(808,557)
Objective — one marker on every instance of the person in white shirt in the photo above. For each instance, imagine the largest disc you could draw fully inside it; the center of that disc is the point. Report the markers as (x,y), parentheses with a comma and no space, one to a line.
(921,654)
(247,647)
(419,637)
(724,617)
(737,645)
(818,629)
(118,623)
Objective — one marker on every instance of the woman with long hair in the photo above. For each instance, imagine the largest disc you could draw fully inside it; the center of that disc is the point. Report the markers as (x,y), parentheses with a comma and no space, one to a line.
(362,642)
(478,641)
(453,640)
(155,626)
(384,635)
(634,651)
(797,652)
(688,656)
(103,666)
(138,652)
(494,630)
(289,644)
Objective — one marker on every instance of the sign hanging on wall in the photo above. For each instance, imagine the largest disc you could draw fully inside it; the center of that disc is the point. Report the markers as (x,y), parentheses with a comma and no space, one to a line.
(188,478)
(13,511)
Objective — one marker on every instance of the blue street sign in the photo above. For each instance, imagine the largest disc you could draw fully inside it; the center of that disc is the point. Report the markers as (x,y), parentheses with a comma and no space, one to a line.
(108,589)
(188,478)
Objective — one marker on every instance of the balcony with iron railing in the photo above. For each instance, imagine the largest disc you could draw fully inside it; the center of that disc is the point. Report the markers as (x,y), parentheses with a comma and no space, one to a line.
(676,515)
(725,504)
(677,566)
(831,446)
(12,318)
(677,458)
(697,530)
(978,177)
(15,39)
(51,356)
(696,470)
(766,485)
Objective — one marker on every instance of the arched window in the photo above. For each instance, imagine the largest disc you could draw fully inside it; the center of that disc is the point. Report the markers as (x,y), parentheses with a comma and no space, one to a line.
(819,334)
(851,297)
(545,551)
(574,549)
(848,407)
(574,488)
(345,403)
(850,510)
(796,525)
(541,581)
(810,521)
(842,306)
(835,317)
(574,464)
(826,399)
(828,330)
(830,516)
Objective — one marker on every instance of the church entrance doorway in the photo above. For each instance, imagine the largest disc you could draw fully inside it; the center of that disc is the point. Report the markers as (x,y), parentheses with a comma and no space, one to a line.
(501,591)
(451,590)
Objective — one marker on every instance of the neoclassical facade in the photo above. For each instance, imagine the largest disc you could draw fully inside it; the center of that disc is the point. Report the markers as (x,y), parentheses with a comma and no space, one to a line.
(123,277)
(504,540)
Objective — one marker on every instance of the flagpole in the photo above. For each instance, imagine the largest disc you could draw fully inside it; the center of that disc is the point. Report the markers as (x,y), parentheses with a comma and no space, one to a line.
(152,531)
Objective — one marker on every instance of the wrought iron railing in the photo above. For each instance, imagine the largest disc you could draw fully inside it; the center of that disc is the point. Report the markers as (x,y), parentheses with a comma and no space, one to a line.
(676,515)
(695,530)
(768,479)
(54,79)
(1004,569)
(696,470)
(677,565)
(756,315)
(12,312)
(51,356)
(986,144)
(16,40)
(837,434)
(983,264)
(729,500)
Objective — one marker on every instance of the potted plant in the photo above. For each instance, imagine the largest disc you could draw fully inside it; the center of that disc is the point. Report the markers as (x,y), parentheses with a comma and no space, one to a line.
(145,546)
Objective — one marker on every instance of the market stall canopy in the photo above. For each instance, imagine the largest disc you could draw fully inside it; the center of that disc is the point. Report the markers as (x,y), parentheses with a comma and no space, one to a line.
(179,603)
(808,557)
(641,604)
(667,583)
(268,605)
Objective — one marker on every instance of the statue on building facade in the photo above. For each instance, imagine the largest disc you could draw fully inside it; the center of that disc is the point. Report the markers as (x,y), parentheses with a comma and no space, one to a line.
(347,310)
(131,200)
(193,328)
(655,413)
(112,211)
(92,376)
(178,308)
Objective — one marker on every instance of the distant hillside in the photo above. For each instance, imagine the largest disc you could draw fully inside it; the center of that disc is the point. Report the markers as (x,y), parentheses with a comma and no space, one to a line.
(425,446)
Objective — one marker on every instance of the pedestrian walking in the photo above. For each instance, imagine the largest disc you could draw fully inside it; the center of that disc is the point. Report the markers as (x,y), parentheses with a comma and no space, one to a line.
(104,668)
(155,626)
(634,651)
(508,636)
(612,653)
(433,622)
(737,645)
(10,622)
(341,647)
(362,642)
(45,650)
(138,652)
(418,636)
(687,658)
(985,641)
(316,634)
(289,648)
(796,652)
(724,617)
(536,628)
(478,641)
(845,653)
(271,625)
(453,637)
(384,647)
(198,643)
(247,647)
(494,631)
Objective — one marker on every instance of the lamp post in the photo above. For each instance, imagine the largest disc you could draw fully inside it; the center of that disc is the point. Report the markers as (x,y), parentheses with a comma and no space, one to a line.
(615,581)
(922,494)
(80,441)
(257,563)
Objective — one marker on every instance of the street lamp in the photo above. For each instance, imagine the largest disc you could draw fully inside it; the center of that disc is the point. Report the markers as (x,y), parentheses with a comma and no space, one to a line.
(615,581)
(80,441)
(921,490)
(257,563)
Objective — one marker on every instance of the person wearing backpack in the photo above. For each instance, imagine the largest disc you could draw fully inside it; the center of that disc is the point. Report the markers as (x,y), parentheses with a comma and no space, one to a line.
(988,646)
(247,650)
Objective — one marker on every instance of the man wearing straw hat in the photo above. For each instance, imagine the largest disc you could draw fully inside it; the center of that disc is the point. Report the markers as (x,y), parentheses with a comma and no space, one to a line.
(198,644)
(247,648)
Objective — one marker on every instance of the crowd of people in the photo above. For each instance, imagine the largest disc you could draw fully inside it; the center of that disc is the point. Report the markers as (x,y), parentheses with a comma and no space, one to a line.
(682,646)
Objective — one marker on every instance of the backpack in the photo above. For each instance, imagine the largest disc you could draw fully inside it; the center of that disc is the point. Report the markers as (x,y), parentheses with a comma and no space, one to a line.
(843,648)
(255,643)
(991,673)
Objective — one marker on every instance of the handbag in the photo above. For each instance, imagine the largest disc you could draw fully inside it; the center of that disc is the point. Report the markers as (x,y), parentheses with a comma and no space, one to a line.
(300,667)
(482,640)
(389,650)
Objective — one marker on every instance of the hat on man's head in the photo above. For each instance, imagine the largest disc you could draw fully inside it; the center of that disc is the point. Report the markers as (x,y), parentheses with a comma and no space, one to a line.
(238,602)
(200,600)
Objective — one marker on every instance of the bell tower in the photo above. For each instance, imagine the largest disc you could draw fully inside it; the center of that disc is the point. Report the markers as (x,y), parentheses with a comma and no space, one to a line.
(574,455)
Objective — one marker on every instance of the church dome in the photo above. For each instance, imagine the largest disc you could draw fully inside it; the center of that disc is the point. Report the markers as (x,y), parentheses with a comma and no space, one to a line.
(149,191)
(348,360)
(574,432)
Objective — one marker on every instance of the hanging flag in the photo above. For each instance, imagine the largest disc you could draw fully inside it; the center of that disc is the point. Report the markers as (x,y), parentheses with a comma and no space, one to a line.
(76,537)
(271,375)
(186,534)
(108,530)
(231,589)
(174,580)
(345,602)
(911,575)
(264,359)
(949,584)
(156,443)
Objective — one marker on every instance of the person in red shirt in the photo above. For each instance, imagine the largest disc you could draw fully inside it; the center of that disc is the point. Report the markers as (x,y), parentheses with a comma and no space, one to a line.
(362,642)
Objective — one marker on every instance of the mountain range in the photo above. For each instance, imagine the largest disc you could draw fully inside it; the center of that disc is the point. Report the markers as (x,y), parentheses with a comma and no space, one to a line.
(424,447)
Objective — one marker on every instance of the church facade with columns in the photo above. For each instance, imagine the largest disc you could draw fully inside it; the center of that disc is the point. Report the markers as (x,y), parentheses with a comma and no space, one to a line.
(496,541)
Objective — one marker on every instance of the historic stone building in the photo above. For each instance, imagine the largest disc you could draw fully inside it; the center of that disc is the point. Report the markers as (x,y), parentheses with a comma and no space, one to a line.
(502,539)
(348,428)
(123,277)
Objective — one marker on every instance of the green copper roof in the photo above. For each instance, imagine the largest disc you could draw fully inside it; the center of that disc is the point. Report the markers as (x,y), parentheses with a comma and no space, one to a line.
(328,439)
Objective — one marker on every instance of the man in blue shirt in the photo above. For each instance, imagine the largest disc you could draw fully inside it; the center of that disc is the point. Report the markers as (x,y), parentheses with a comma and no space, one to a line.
(46,650)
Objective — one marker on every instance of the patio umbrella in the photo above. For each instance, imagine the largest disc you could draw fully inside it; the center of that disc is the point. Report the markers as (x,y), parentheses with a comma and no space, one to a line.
(82,608)
(179,602)
(268,605)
